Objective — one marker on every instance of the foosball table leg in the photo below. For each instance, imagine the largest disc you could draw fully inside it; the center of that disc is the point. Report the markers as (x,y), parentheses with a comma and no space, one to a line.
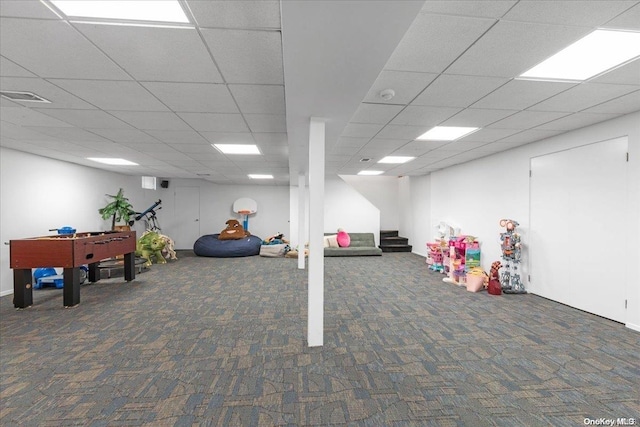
(22,288)
(71,291)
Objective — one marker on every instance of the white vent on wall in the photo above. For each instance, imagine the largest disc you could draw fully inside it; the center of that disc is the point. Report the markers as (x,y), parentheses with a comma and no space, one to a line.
(23,96)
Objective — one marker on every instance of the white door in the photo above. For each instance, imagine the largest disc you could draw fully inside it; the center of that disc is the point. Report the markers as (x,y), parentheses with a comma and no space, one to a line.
(187,211)
(578,215)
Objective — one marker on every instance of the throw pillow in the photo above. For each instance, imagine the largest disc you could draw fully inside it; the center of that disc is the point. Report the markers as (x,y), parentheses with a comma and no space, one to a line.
(344,240)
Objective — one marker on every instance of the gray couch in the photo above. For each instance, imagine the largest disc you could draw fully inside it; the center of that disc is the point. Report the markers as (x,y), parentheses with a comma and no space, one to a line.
(362,244)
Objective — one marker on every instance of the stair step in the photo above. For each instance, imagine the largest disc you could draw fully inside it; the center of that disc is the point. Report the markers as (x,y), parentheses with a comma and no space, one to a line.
(396,240)
(388,233)
(396,248)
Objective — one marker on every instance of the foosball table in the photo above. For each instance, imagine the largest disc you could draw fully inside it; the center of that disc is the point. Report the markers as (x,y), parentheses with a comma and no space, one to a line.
(70,252)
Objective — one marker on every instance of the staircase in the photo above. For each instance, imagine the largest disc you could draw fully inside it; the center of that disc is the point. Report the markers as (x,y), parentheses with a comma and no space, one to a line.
(391,242)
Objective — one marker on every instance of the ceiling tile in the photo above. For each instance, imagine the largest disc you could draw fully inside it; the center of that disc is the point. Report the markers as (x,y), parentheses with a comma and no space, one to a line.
(447,36)
(511,48)
(422,146)
(590,13)
(347,141)
(629,20)
(477,117)
(528,136)
(212,122)
(125,135)
(458,91)
(54,49)
(406,85)
(526,119)
(489,135)
(22,116)
(19,133)
(247,56)
(237,14)
(193,97)
(155,54)
(375,113)
(361,130)
(59,98)
(112,95)
(477,8)
(385,143)
(151,120)
(26,9)
(229,138)
(424,116)
(583,96)
(575,121)
(10,69)
(621,105)
(403,132)
(273,138)
(520,94)
(87,118)
(70,134)
(177,136)
(266,122)
(259,99)
(628,74)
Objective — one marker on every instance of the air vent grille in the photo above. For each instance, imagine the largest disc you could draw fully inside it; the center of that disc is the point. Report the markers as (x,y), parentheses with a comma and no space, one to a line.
(23,96)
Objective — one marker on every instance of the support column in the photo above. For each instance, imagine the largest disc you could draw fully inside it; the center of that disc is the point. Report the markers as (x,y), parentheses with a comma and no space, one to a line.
(302,219)
(315,317)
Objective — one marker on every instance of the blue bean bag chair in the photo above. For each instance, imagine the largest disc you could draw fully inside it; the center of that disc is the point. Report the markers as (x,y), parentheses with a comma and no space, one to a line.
(209,245)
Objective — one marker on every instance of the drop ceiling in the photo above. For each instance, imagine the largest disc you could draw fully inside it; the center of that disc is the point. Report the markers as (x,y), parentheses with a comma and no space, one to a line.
(256,71)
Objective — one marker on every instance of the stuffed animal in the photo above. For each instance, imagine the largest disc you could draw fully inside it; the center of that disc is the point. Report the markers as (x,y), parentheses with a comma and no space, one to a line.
(169,246)
(494,279)
(276,239)
(150,245)
(234,231)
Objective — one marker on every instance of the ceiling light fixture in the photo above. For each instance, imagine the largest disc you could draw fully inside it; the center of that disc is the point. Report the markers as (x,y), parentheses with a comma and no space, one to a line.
(387,94)
(237,148)
(396,159)
(446,133)
(598,52)
(259,176)
(370,173)
(130,10)
(112,161)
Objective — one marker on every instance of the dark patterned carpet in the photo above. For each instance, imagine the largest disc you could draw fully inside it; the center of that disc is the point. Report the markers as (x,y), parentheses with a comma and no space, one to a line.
(221,342)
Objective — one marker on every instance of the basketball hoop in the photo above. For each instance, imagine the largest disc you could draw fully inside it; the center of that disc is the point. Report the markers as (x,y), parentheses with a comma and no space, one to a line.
(245,207)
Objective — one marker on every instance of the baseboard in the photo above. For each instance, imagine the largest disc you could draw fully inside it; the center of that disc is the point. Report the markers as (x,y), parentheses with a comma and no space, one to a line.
(633,327)
(7,292)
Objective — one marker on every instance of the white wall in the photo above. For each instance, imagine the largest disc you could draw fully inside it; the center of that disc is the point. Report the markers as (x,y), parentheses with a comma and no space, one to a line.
(38,194)
(344,207)
(415,218)
(382,192)
(216,207)
(476,195)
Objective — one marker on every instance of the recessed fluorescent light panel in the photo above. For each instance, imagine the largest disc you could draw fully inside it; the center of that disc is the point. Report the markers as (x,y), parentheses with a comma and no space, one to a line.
(259,176)
(237,148)
(111,161)
(370,173)
(446,133)
(594,54)
(396,159)
(130,10)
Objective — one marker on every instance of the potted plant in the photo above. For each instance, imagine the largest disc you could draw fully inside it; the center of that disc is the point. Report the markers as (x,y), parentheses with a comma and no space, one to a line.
(119,209)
